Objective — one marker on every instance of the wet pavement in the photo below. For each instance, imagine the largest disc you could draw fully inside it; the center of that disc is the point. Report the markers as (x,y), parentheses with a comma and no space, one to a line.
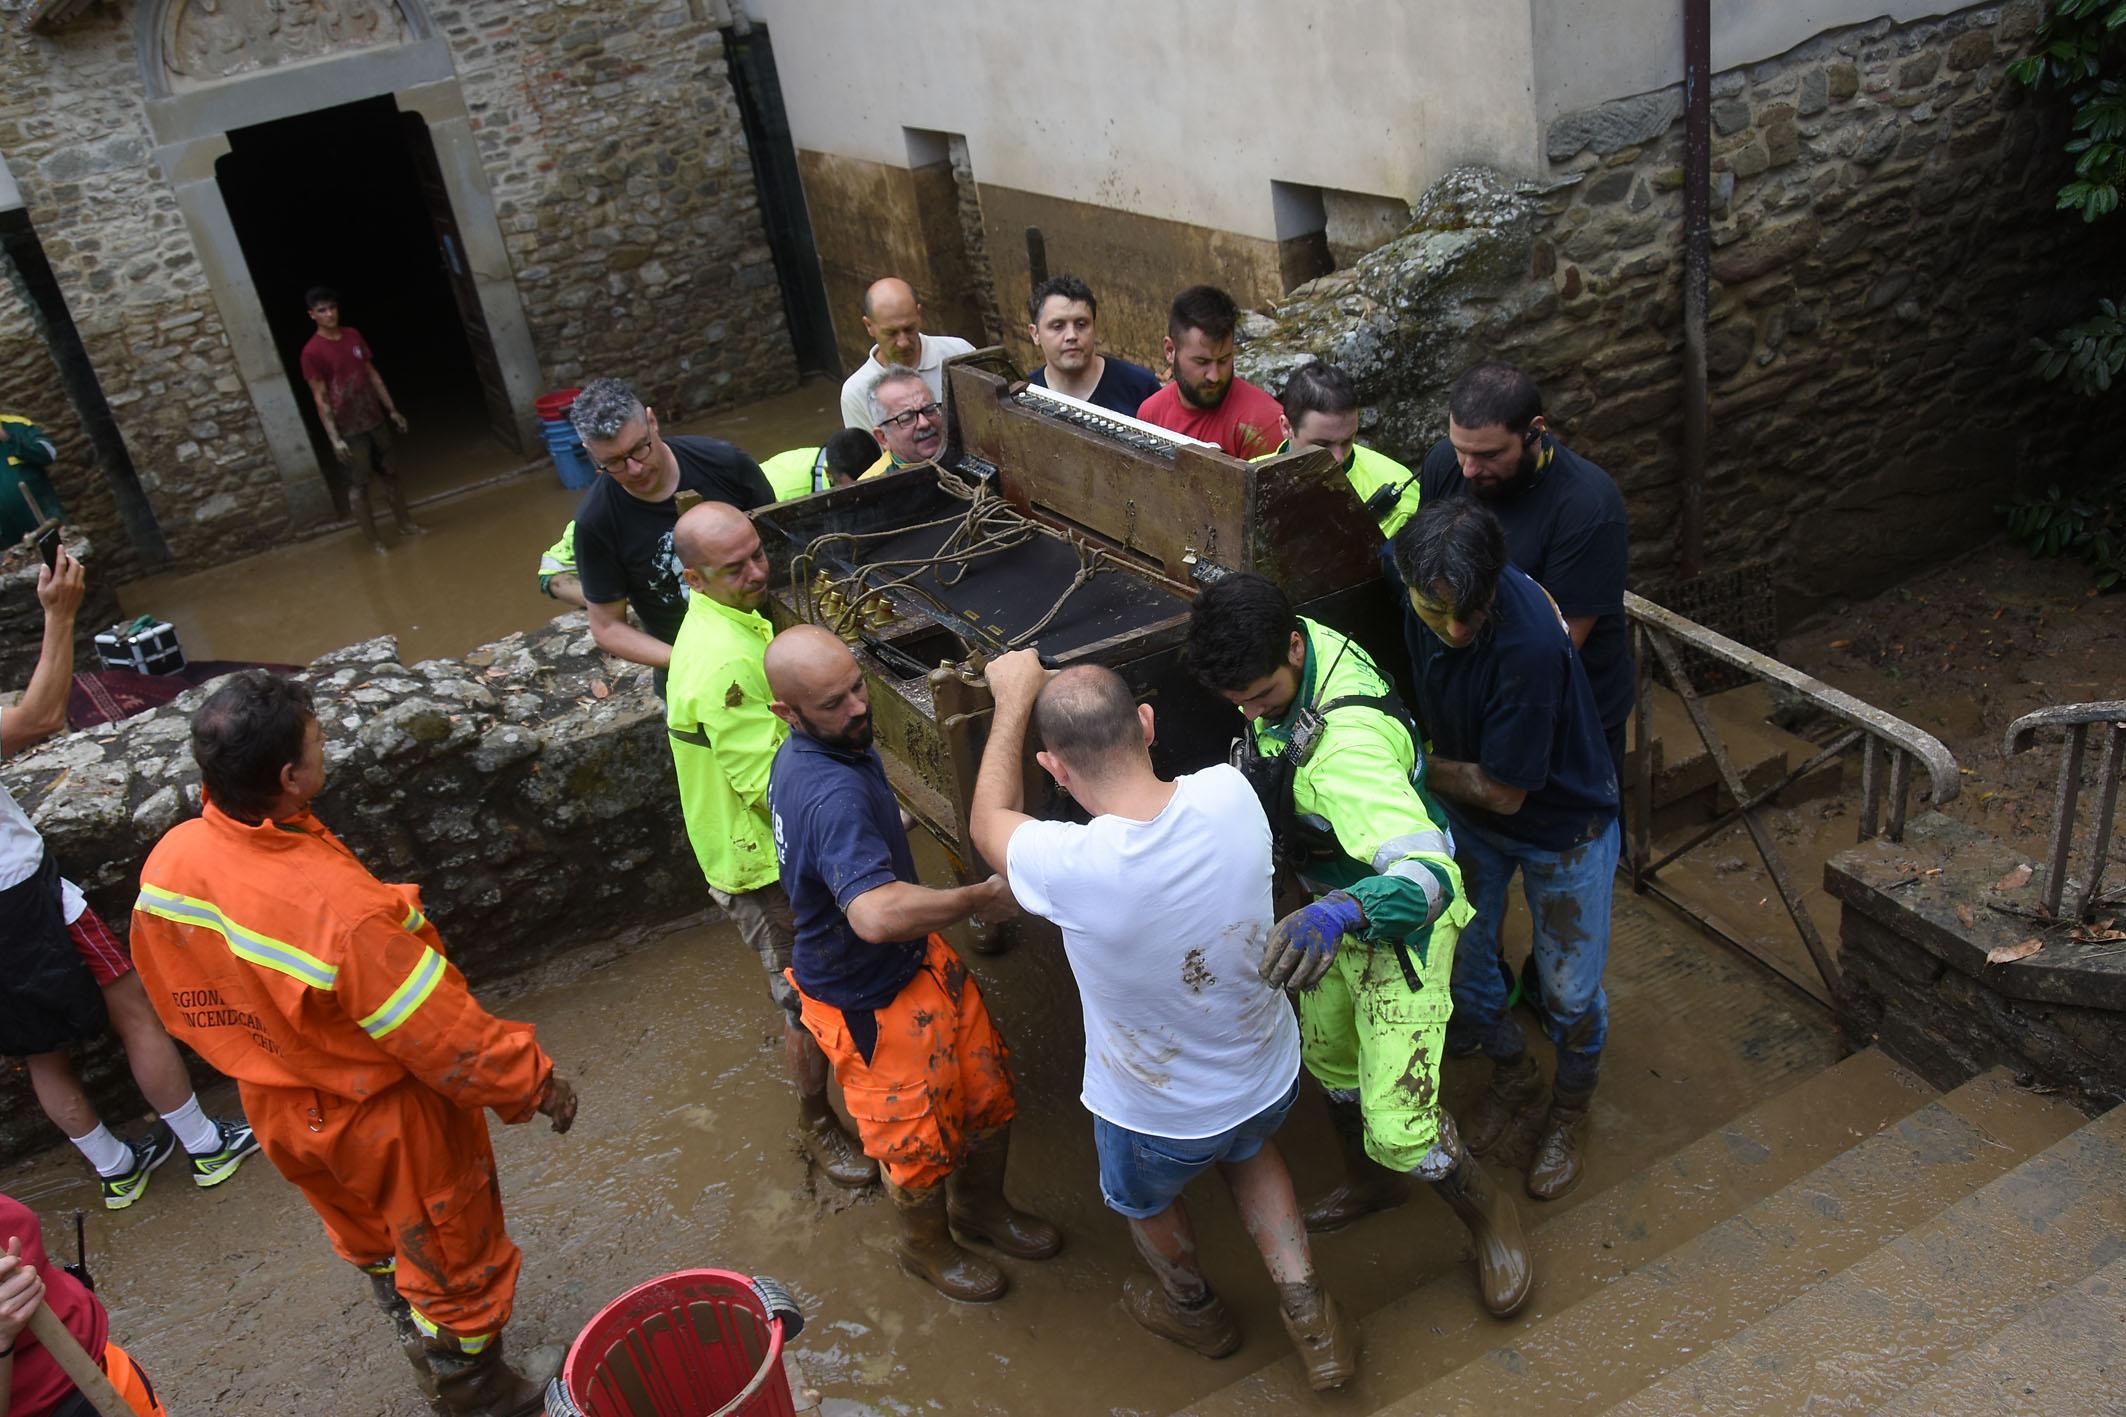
(471,579)
(683,1156)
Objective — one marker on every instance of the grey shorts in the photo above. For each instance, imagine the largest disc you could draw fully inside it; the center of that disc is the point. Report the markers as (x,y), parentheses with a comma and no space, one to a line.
(763,921)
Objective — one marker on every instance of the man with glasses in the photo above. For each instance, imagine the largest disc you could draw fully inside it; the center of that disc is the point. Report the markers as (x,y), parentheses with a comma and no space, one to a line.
(893,317)
(625,522)
(906,420)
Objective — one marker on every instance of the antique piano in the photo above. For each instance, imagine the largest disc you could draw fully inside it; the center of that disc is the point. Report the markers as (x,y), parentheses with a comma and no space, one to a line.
(1050,522)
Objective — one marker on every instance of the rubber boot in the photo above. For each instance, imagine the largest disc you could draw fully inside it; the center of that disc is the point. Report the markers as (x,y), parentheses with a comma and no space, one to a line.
(1367,1186)
(979,1210)
(1556,1168)
(829,1146)
(1206,1327)
(483,1384)
(358,503)
(926,1249)
(1504,1272)
(385,1290)
(1326,1340)
(1516,1089)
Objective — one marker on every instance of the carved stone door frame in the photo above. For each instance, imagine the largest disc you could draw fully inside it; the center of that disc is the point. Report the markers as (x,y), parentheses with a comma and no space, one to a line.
(190,115)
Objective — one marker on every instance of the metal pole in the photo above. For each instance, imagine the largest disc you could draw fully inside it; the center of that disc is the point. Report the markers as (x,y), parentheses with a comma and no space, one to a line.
(1697,247)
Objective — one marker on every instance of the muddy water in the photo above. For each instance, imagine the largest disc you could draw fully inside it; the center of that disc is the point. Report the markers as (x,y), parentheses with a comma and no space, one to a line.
(682,1156)
(471,579)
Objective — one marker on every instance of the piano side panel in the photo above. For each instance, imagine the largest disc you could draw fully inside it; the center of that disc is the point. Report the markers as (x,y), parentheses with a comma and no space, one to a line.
(1307,529)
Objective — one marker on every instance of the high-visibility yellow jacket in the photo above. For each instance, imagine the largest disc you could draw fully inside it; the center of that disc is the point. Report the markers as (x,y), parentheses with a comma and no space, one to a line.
(724,738)
(272,951)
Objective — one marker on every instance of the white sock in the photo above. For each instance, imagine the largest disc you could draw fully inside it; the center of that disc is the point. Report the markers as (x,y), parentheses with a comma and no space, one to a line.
(106,1153)
(195,1130)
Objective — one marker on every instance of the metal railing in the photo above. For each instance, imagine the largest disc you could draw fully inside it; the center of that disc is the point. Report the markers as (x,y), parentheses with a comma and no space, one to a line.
(2077,719)
(1889,749)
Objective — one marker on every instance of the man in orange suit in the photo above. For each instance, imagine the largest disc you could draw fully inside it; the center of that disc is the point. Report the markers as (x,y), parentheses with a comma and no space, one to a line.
(364,1062)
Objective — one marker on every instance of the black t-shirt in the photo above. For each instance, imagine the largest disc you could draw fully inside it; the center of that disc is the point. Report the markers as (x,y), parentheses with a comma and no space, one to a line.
(1123,386)
(624,544)
(1565,526)
(1516,702)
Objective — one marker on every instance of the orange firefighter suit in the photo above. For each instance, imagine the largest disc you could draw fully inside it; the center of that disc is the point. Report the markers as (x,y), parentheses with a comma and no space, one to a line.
(362,1058)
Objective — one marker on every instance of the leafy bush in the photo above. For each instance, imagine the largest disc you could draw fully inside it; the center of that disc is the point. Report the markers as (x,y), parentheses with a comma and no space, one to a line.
(2090,525)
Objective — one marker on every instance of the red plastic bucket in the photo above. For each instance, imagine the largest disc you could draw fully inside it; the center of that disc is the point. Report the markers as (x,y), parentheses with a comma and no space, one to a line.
(555,405)
(699,1343)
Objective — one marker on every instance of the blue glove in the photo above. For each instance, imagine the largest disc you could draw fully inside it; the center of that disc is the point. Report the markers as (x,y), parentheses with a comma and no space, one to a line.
(1303,945)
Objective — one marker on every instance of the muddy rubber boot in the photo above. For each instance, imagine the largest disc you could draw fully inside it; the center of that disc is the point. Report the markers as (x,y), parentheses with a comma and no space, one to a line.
(926,1249)
(1206,1327)
(829,1147)
(483,1384)
(1504,1272)
(980,1211)
(1556,1168)
(1326,1340)
(384,1289)
(1516,1090)
(1367,1186)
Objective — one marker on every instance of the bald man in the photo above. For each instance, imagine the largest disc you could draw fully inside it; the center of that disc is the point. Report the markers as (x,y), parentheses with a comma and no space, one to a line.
(724,738)
(893,317)
(927,1079)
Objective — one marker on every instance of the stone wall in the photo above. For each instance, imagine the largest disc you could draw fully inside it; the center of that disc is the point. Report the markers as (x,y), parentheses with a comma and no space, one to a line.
(1884,243)
(614,149)
(22,614)
(30,386)
(526,788)
(612,139)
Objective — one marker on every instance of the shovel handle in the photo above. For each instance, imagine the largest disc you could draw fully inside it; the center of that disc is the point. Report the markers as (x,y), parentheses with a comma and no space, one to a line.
(82,1370)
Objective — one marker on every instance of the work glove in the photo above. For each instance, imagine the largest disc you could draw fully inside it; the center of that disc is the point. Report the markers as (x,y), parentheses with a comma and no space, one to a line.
(1303,944)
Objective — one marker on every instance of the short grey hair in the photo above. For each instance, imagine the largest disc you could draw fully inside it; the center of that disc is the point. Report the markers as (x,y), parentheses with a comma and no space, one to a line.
(895,374)
(603,407)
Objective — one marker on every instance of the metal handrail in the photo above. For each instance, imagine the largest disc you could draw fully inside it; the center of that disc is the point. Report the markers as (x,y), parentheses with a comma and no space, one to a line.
(2076,719)
(1889,749)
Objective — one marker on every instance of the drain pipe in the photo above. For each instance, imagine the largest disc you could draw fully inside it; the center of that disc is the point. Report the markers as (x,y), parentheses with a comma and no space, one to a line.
(1697,257)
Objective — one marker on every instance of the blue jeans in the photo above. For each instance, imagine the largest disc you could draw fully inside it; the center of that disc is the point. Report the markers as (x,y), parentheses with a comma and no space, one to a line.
(1568,895)
(1140,1174)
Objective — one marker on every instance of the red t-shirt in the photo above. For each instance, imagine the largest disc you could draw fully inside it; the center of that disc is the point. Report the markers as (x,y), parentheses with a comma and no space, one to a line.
(39,1384)
(1244,423)
(344,366)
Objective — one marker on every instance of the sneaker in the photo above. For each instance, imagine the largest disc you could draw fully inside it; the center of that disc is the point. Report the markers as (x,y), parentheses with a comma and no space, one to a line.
(217,1166)
(150,1150)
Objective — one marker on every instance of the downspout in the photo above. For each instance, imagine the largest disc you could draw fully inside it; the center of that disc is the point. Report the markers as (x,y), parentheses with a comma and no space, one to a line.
(1697,248)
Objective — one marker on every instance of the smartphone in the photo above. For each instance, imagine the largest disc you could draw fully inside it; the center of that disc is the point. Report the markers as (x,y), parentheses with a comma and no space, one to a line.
(48,548)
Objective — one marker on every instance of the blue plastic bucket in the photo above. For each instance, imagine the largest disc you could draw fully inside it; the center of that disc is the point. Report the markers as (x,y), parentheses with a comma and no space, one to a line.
(566,449)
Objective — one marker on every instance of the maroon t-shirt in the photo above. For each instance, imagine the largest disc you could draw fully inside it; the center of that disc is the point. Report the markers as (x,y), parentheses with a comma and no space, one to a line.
(1244,423)
(344,366)
(39,1384)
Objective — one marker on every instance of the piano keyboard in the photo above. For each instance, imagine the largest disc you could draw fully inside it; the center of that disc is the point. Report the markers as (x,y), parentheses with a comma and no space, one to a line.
(1144,437)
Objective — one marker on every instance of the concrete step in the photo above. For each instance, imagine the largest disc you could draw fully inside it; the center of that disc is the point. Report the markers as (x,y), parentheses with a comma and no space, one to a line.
(1628,1334)
(2064,1355)
(1762,752)
(1437,1326)
(1923,1301)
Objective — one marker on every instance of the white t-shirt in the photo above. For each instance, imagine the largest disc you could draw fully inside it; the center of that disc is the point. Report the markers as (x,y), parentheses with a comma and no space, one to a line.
(1164,922)
(22,852)
(856,407)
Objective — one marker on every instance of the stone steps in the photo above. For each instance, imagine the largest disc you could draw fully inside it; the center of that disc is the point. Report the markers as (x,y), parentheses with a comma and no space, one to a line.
(1687,783)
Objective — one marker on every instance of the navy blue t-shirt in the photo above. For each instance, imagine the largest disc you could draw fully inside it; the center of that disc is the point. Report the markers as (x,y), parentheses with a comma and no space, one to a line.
(838,834)
(1565,526)
(1517,703)
(1123,386)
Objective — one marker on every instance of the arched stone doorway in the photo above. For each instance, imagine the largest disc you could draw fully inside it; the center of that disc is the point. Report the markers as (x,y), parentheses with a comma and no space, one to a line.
(213,67)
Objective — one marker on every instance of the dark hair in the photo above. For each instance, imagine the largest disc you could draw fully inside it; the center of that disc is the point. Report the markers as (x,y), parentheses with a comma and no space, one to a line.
(1239,630)
(1317,388)
(850,452)
(1088,717)
(1069,287)
(244,734)
(318,295)
(1205,308)
(1457,540)
(1493,394)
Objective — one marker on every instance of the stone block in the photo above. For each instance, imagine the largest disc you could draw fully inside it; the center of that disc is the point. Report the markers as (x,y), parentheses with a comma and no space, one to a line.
(1748,161)
(1919,70)
(1614,126)
(1815,93)
(1782,144)
(1972,49)
(1841,81)
(1730,115)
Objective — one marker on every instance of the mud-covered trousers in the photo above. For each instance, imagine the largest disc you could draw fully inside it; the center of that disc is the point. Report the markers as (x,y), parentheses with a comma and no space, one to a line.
(405,1184)
(1366,1035)
(1568,894)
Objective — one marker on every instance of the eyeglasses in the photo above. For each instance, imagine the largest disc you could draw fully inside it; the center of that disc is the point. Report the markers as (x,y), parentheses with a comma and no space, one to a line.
(907,420)
(639,454)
